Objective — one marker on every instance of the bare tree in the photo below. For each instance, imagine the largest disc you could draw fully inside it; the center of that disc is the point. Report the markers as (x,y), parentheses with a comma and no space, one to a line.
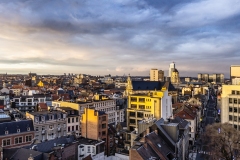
(222,140)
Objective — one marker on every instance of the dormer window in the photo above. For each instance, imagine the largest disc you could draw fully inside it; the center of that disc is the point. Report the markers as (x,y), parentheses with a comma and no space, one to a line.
(6,132)
(18,130)
(36,119)
(43,118)
(28,128)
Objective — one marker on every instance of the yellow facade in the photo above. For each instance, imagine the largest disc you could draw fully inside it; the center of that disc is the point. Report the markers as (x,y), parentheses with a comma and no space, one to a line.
(175,77)
(235,71)
(94,125)
(40,84)
(143,107)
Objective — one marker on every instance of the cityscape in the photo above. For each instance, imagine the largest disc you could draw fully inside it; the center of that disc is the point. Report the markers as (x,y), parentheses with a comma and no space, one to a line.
(119,80)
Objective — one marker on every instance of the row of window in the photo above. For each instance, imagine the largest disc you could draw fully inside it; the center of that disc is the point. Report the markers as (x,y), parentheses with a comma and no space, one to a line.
(234,109)
(234,118)
(103,104)
(76,128)
(236,92)
(50,127)
(107,109)
(69,120)
(234,100)
(17,140)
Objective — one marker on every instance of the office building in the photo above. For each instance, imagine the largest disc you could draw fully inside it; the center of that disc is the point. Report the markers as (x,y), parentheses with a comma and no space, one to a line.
(212,78)
(171,68)
(156,75)
(230,105)
(234,72)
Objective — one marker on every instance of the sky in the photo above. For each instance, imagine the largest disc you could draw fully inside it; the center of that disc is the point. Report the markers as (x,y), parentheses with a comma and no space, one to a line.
(117,37)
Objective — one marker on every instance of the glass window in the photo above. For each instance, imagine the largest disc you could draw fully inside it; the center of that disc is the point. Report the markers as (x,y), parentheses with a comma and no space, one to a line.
(76,119)
(238,101)
(72,120)
(235,110)
(235,118)
(89,149)
(230,109)
(235,100)
(68,120)
(76,127)
(233,92)
(230,100)
(230,117)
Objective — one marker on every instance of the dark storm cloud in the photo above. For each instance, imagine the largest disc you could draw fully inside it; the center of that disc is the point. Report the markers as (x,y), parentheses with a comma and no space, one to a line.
(120,33)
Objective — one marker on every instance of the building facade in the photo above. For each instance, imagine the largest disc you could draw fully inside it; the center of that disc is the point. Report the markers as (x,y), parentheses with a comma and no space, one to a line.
(234,72)
(156,104)
(230,105)
(171,68)
(48,125)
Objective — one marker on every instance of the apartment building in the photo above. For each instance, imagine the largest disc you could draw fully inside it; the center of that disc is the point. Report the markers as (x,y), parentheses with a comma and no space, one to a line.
(73,121)
(94,124)
(156,104)
(48,124)
(29,103)
(92,149)
(230,105)
(15,133)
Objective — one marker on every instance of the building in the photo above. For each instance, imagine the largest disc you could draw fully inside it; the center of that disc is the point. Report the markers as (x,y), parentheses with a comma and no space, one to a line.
(171,68)
(234,72)
(175,79)
(15,133)
(90,149)
(94,124)
(230,105)
(48,124)
(156,75)
(73,121)
(214,78)
(156,104)
(163,140)
(29,103)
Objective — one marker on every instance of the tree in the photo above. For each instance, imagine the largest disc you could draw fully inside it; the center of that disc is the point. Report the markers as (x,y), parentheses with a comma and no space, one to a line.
(222,140)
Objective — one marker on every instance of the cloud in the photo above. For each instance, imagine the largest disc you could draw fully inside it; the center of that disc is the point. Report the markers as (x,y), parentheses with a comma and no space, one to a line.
(120,36)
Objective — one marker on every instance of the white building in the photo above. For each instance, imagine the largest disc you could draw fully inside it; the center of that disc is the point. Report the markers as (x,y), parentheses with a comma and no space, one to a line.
(171,68)
(91,147)
(48,125)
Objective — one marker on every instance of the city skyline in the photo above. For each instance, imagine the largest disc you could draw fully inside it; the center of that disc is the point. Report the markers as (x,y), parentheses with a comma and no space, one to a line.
(119,37)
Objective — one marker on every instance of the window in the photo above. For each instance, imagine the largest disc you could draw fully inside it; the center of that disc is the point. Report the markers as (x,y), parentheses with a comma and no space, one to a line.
(190,135)
(50,127)
(235,118)
(28,138)
(238,101)
(103,133)
(235,126)
(36,119)
(6,132)
(18,140)
(88,149)
(76,119)
(235,110)
(68,129)
(238,92)
(93,150)
(76,127)
(103,126)
(18,130)
(72,120)
(230,109)
(233,92)
(6,142)
(68,120)
(72,128)
(230,117)
(230,100)
(235,100)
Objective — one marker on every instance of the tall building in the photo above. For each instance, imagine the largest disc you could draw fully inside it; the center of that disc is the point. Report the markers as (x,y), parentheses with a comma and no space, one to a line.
(215,78)
(161,75)
(156,75)
(230,105)
(234,72)
(171,68)
(175,76)
(94,124)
